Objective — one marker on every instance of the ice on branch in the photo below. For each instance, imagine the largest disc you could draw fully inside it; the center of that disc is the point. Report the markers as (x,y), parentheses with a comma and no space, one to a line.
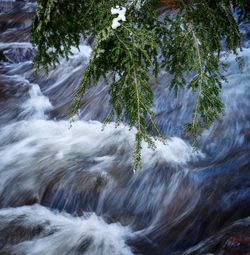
(121,12)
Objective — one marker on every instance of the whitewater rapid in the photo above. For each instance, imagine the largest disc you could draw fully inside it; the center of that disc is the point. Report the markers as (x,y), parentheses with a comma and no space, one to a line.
(72,189)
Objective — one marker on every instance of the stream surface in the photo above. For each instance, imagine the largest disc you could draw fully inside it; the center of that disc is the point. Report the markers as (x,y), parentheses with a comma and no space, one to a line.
(72,191)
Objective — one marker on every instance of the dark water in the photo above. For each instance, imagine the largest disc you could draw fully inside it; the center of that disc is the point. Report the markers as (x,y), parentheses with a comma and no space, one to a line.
(73,191)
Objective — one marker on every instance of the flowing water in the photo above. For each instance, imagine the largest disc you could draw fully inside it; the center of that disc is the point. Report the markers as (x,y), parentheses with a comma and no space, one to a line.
(73,191)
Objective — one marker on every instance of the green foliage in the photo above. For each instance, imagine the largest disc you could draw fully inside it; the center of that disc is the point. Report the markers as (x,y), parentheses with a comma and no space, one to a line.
(187,44)
(200,40)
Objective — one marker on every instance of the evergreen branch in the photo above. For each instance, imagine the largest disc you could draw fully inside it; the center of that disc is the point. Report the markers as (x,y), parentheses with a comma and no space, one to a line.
(201,81)
(188,42)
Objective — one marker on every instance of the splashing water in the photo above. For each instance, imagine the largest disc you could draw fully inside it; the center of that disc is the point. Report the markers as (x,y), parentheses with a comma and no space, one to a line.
(73,191)
(61,233)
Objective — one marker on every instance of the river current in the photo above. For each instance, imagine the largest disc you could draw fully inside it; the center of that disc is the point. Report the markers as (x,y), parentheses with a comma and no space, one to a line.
(72,190)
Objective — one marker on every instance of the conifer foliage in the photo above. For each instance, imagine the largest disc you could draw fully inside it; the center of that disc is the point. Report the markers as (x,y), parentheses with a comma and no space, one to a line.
(186,42)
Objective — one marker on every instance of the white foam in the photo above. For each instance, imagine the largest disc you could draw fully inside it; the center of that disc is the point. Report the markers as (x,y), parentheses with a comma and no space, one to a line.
(37,105)
(68,234)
